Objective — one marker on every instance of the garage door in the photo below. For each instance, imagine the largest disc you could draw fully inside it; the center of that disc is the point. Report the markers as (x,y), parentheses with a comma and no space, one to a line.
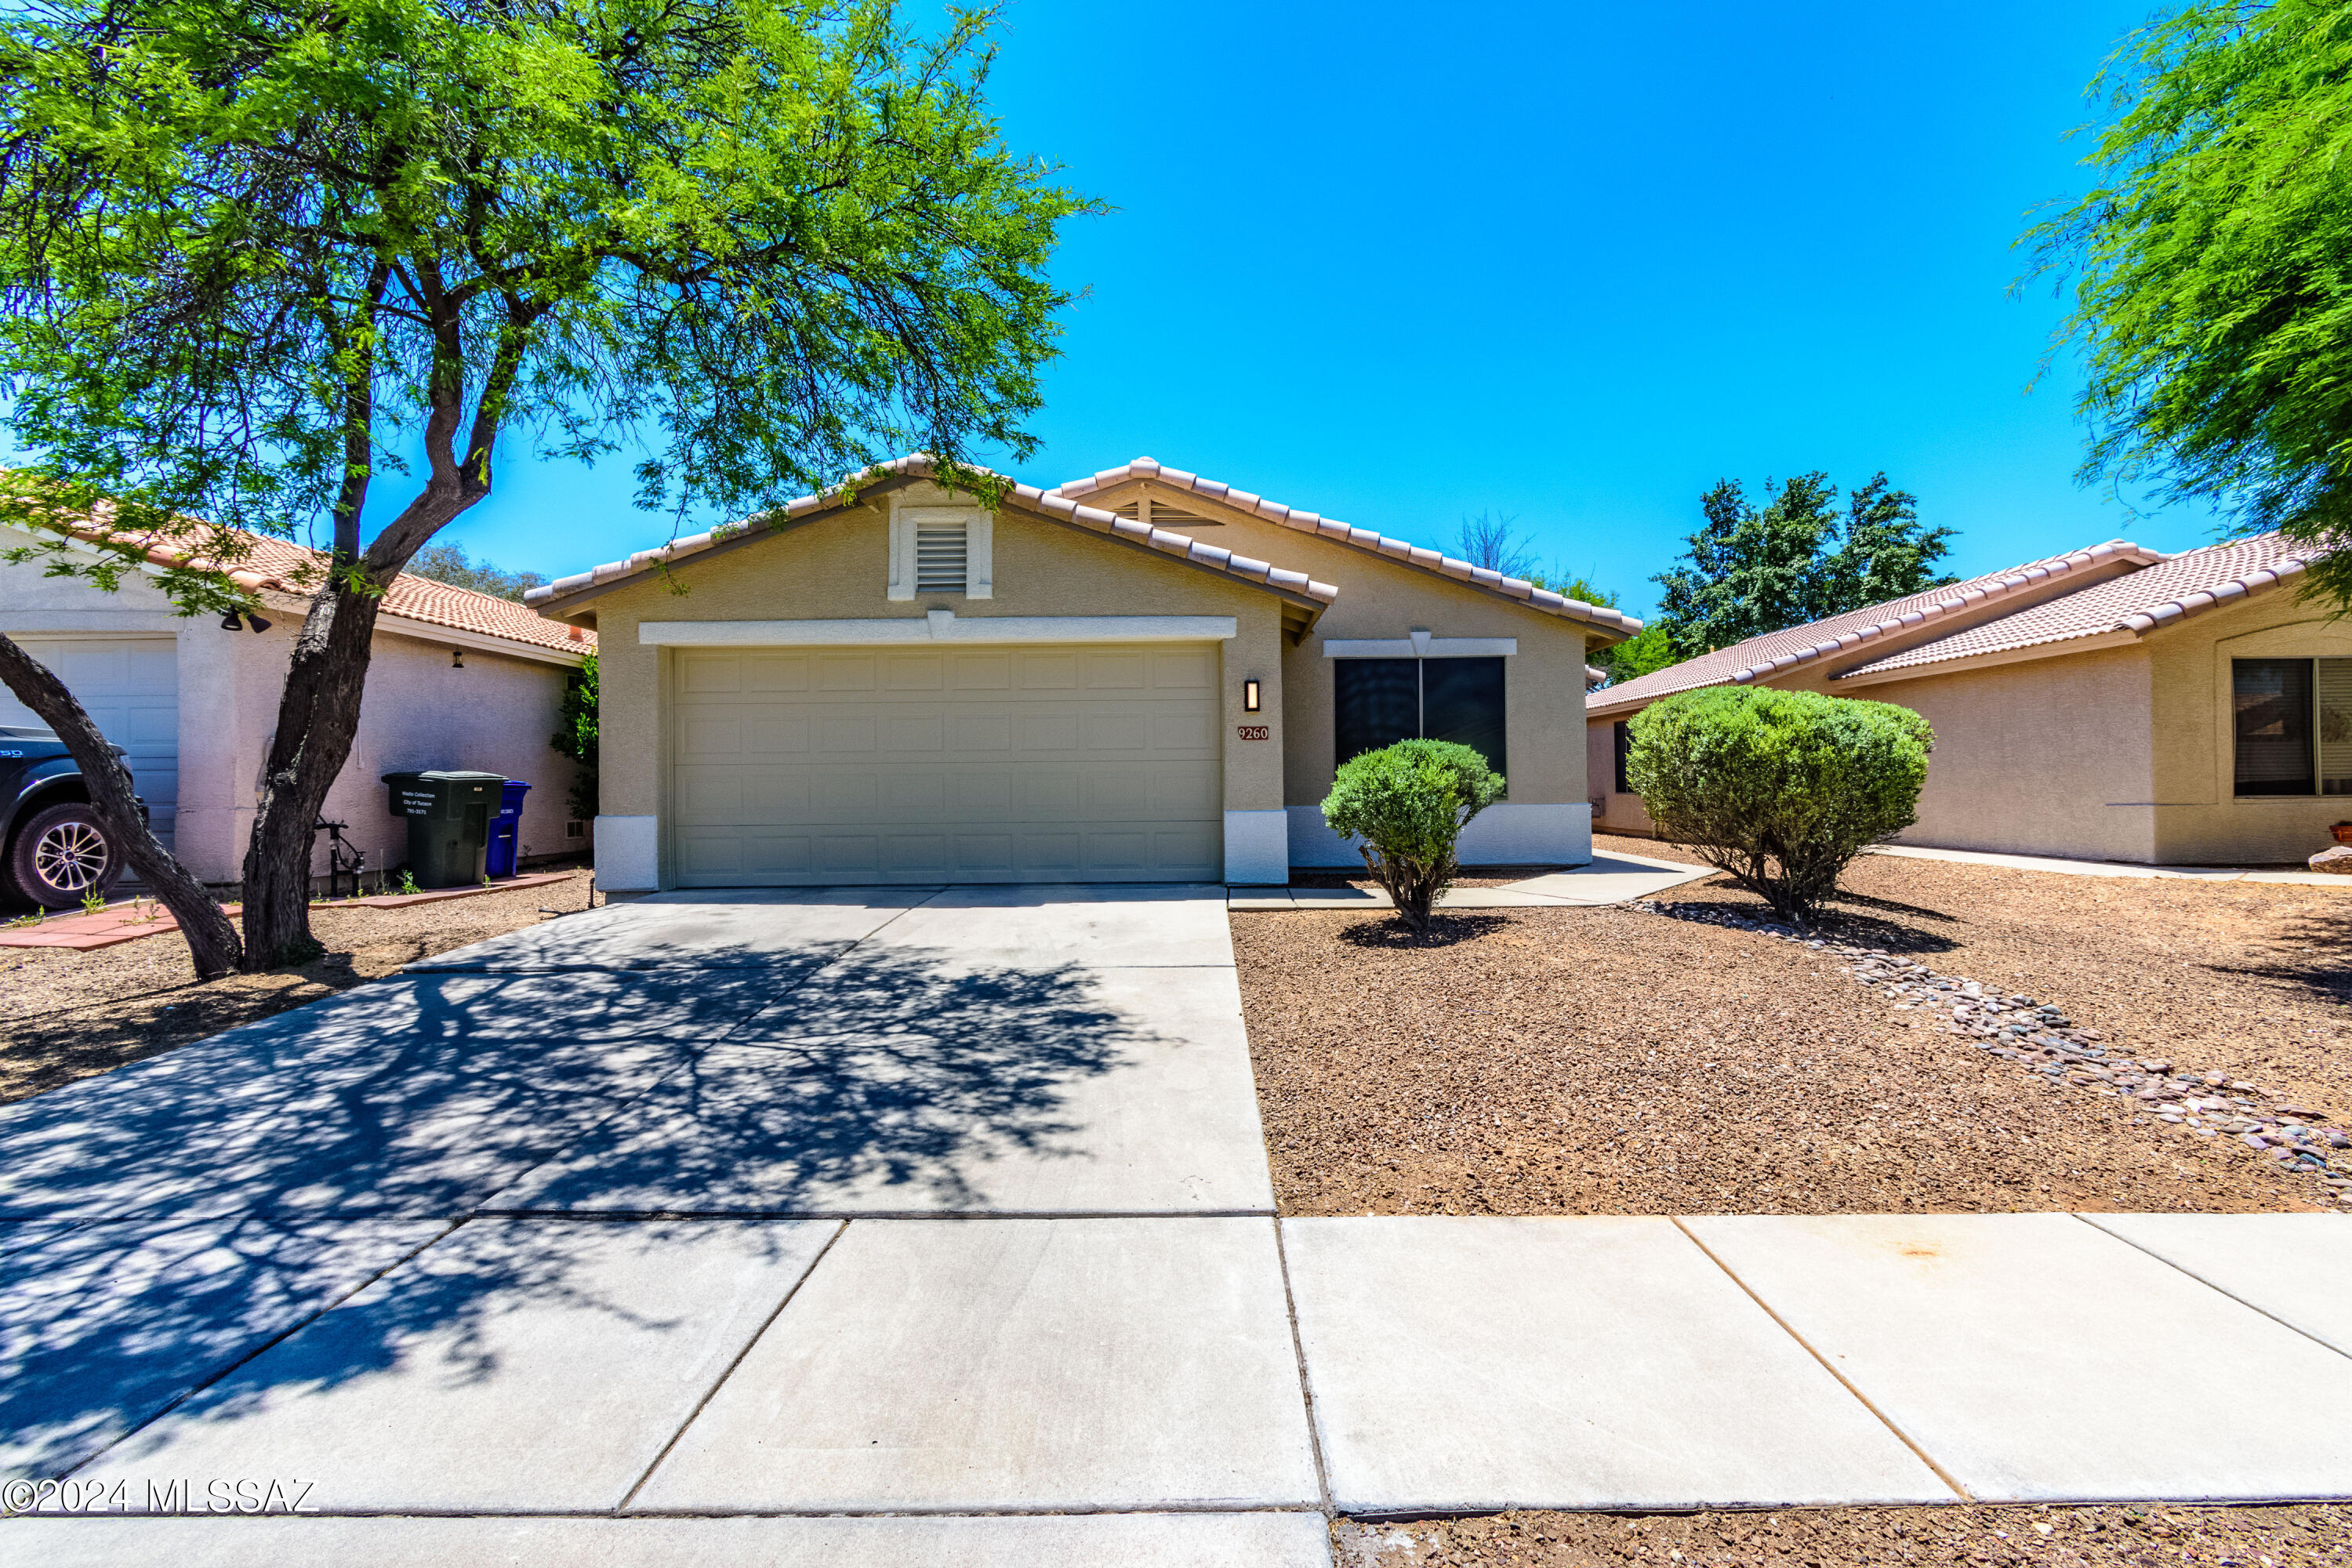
(1095,762)
(131,686)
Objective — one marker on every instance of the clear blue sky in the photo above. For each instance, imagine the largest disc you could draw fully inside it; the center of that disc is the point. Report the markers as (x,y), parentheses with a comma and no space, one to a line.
(1572,262)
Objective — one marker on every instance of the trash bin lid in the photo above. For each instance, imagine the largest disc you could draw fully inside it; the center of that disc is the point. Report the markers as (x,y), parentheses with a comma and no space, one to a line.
(446,775)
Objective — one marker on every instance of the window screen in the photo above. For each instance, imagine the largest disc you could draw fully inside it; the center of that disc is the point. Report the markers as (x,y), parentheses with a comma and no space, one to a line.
(1462,701)
(939,557)
(2271,700)
(1624,737)
(1376,702)
(2334,726)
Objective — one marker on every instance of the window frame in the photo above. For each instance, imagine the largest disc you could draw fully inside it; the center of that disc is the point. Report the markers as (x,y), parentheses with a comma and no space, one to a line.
(2314,741)
(1420,662)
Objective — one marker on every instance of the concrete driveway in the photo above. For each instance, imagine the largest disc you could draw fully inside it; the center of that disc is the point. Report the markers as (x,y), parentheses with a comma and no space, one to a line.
(861,1226)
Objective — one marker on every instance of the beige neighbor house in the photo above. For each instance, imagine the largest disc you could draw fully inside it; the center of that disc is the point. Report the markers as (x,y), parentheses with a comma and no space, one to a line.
(456,679)
(1139,676)
(2115,703)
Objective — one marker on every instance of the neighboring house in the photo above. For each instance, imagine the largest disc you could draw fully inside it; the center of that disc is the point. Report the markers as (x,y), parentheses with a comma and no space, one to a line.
(2116,704)
(1139,676)
(194,704)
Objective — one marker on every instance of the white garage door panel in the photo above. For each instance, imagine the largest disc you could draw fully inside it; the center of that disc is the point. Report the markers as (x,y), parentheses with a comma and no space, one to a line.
(1027,764)
(131,686)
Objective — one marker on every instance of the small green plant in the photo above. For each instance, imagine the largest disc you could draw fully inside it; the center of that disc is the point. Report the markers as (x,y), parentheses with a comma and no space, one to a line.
(1779,789)
(1406,805)
(93,902)
(407,884)
(31,920)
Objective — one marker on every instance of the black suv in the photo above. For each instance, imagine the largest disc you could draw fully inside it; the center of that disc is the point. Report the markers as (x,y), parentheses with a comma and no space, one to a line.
(57,851)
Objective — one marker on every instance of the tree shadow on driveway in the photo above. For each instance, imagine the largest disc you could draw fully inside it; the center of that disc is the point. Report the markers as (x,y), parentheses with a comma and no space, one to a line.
(233,1190)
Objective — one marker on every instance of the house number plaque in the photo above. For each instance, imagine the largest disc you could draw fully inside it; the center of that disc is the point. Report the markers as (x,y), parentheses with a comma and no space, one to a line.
(1251,732)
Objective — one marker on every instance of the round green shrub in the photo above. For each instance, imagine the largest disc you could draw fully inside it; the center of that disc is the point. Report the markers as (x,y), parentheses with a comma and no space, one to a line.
(1406,805)
(1780,789)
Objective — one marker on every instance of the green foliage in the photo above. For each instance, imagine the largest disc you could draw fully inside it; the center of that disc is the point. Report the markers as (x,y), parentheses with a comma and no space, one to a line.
(577,736)
(1406,805)
(1748,571)
(1780,789)
(448,563)
(2211,270)
(250,252)
(1651,649)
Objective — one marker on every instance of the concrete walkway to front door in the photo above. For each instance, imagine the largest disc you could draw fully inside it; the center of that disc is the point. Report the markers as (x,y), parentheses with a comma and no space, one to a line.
(878,1226)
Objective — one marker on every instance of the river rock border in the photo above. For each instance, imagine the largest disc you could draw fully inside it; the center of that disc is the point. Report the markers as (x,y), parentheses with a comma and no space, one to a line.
(2297,1138)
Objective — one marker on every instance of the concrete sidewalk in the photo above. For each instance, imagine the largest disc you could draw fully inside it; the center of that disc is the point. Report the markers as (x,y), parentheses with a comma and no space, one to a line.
(2069,868)
(930,1225)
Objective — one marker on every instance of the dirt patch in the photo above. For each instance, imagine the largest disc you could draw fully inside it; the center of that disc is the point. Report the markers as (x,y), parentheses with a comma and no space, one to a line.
(2289,1536)
(2251,980)
(67,1014)
(1609,1061)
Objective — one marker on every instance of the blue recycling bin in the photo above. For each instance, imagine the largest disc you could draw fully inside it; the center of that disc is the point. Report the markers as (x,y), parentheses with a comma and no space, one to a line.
(504,840)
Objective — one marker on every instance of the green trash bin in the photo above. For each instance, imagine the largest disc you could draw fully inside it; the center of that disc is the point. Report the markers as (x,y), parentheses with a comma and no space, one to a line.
(449,817)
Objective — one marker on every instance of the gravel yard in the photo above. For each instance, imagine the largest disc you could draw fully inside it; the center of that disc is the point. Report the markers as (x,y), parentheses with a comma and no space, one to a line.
(66,1014)
(2292,1536)
(1610,1060)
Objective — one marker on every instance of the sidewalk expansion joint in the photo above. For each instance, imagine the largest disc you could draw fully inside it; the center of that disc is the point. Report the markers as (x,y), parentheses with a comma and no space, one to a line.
(1844,1382)
(2211,1285)
(737,1359)
(1305,1382)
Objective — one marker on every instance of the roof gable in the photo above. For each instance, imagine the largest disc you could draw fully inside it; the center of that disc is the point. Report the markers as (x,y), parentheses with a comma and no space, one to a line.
(1914,615)
(1299,590)
(2131,606)
(1615,624)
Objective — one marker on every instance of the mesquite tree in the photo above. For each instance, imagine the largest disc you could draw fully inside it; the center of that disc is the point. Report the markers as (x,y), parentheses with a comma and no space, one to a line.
(257,256)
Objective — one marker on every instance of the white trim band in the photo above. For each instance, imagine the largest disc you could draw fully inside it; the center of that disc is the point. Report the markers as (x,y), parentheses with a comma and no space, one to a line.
(1421,644)
(938,626)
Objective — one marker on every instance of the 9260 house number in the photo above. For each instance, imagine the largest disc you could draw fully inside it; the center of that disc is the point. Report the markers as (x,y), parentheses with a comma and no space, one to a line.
(1252,731)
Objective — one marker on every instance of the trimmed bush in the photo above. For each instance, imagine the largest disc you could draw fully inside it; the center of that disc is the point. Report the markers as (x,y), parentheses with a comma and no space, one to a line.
(1406,805)
(1780,789)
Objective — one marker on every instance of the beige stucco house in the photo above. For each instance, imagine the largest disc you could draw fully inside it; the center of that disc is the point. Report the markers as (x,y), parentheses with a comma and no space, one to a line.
(2115,703)
(456,679)
(1139,676)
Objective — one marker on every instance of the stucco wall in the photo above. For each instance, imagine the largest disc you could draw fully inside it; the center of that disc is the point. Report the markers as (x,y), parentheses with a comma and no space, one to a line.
(837,567)
(2198,817)
(2046,757)
(496,714)
(1543,689)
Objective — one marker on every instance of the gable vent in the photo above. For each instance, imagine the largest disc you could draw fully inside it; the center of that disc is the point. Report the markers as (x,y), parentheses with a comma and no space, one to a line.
(1160,515)
(940,553)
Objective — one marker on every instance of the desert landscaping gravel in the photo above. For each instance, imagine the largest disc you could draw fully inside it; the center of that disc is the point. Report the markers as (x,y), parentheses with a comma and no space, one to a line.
(66,1014)
(2289,1536)
(1615,1060)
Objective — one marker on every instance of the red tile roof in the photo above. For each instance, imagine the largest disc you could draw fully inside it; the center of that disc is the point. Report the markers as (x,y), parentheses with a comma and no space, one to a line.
(1777,652)
(1361,538)
(280,565)
(2137,602)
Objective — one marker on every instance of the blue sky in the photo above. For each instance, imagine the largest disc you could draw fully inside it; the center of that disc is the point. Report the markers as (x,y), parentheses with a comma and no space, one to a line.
(1568,262)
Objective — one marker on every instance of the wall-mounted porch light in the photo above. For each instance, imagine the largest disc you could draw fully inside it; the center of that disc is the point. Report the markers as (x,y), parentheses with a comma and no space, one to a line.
(1250,702)
(457,658)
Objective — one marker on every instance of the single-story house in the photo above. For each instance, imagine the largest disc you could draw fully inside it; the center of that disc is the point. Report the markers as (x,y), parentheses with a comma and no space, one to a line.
(457,680)
(1139,676)
(2113,703)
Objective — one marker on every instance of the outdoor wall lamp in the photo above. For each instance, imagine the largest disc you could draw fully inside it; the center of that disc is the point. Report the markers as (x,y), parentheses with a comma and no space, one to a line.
(457,658)
(1250,702)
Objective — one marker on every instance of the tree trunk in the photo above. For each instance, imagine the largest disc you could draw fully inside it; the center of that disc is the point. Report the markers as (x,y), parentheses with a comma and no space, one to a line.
(318,717)
(212,939)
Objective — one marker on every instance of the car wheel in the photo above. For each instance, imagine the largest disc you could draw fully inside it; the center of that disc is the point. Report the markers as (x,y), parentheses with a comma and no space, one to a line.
(63,856)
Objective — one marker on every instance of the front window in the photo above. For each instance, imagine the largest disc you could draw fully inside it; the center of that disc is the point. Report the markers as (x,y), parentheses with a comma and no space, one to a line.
(1380,701)
(2293,722)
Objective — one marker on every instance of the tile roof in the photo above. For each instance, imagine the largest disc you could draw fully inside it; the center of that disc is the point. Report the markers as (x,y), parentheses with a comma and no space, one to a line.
(1361,538)
(1778,652)
(281,566)
(916,465)
(2137,602)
